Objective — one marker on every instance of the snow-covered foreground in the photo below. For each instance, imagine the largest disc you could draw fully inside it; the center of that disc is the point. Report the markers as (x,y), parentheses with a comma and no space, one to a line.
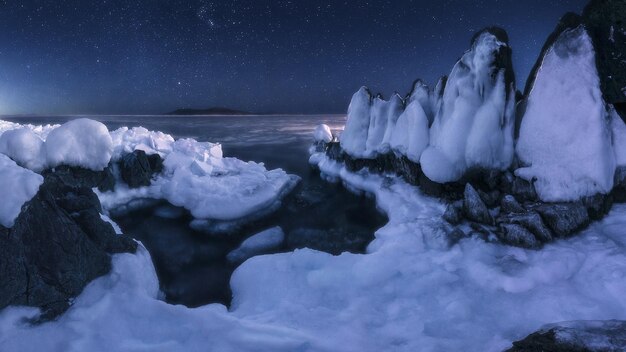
(409,293)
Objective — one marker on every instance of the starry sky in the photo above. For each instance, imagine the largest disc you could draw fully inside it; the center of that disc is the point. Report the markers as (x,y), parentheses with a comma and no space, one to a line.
(280,56)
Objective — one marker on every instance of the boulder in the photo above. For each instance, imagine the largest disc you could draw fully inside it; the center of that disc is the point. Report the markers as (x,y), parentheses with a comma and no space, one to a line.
(598,205)
(523,190)
(564,218)
(137,168)
(454,213)
(508,204)
(517,235)
(76,176)
(474,207)
(531,221)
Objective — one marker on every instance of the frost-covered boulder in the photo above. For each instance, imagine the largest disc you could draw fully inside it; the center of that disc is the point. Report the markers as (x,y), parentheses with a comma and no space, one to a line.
(82,142)
(565,140)
(354,136)
(17,186)
(473,127)
(24,147)
(137,168)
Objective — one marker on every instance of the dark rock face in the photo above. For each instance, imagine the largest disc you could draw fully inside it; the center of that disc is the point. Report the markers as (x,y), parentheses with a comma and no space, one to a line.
(104,180)
(564,218)
(503,57)
(454,213)
(333,242)
(605,21)
(474,207)
(523,190)
(510,205)
(58,245)
(137,168)
(531,221)
(576,336)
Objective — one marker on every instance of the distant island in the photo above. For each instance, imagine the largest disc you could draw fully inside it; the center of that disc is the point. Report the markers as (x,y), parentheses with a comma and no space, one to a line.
(209,111)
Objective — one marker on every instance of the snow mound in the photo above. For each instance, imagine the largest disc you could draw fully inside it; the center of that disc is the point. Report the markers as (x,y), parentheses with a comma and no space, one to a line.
(257,244)
(384,115)
(24,147)
(17,186)
(323,133)
(82,142)
(474,125)
(565,134)
(354,136)
(127,140)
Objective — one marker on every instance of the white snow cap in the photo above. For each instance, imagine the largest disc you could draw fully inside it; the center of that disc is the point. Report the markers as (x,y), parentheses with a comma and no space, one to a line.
(82,142)
(474,126)
(24,147)
(354,135)
(565,134)
(17,186)
(323,133)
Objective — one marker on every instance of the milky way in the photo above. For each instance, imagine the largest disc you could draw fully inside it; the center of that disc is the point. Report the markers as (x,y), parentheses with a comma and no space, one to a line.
(110,57)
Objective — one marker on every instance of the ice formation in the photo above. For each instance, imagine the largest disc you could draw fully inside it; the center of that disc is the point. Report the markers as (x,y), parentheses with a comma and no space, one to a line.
(410,133)
(474,126)
(565,134)
(17,186)
(24,147)
(323,134)
(259,243)
(354,136)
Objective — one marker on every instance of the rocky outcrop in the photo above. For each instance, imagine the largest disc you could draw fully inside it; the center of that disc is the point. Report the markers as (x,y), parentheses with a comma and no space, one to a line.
(576,336)
(138,168)
(59,243)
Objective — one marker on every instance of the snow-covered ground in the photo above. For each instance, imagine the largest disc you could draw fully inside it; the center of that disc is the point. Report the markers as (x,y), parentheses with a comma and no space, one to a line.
(410,292)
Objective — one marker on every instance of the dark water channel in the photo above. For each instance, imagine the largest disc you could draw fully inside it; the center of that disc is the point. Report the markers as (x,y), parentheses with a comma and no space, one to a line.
(192,266)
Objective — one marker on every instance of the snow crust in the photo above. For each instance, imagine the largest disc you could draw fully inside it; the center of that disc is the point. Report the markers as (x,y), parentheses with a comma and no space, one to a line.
(17,186)
(565,134)
(24,147)
(260,243)
(474,125)
(410,134)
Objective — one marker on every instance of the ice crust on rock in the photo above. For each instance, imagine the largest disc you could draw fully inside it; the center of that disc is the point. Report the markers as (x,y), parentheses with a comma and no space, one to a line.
(411,134)
(474,125)
(259,243)
(355,134)
(565,135)
(17,186)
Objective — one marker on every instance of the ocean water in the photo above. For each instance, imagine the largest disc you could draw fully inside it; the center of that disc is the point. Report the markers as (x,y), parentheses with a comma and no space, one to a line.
(192,266)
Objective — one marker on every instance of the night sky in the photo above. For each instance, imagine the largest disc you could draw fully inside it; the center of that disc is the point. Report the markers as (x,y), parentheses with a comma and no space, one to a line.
(143,57)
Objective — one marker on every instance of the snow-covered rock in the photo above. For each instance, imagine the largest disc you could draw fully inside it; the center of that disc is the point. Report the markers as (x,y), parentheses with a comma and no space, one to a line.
(82,142)
(17,186)
(24,147)
(473,127)
(394,108)
(259,243)
(565,135)
(354,136)
(323,133)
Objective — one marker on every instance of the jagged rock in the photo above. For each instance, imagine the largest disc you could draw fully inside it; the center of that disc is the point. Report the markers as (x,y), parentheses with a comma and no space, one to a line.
(564,218)
(454,213)
(334,241)
(606,24)
(104,180)
(523,190)
(474,208)
(530,221)
(58,245)
(508,204)
(517,235)
(576,336)
(334,151)
(490,198)
(137,168)
(619,184)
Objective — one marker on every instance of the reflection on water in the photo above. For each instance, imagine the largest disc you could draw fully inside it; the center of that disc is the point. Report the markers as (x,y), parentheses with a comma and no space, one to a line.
(192,266)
